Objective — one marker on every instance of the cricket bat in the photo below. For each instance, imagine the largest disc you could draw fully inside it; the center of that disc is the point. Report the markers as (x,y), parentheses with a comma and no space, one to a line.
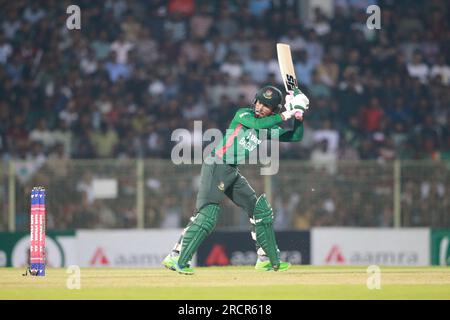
(287,70)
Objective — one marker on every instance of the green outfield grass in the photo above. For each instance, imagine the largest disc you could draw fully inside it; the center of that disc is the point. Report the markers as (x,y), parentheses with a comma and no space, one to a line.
(300,282)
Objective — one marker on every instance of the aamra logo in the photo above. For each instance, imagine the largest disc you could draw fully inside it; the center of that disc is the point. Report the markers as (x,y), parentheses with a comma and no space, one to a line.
(217,256)
(268,94)
(335,256)
(99,258)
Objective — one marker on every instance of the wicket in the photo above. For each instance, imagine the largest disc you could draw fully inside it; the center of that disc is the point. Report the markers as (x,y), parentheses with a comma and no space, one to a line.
(37,232)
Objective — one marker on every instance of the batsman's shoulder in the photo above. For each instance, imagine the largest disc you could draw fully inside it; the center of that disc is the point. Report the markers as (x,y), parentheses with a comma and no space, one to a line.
(243,112)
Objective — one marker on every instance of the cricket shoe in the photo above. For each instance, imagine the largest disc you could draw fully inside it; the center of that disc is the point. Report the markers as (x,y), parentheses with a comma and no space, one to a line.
(185,270)
(267,265)
(170,261)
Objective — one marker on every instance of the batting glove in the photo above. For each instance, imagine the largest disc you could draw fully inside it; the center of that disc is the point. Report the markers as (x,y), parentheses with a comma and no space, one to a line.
(288,99)
(286,115)
(296,100)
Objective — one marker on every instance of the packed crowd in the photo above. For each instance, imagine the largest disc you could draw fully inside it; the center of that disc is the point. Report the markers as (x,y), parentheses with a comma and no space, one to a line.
(137,70)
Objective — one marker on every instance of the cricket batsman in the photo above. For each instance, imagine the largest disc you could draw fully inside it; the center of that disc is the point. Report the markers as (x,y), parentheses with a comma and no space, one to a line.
(221,177)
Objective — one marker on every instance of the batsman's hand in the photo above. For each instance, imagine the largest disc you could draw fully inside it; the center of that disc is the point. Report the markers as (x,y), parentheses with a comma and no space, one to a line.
(296,100)
(286,115)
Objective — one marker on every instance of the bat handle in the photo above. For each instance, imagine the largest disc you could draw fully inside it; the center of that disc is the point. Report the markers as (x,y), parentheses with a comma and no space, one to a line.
(297,91)
(298,115)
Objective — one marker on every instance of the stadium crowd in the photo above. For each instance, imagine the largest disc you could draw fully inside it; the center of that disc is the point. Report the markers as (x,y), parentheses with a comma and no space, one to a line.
(137,70)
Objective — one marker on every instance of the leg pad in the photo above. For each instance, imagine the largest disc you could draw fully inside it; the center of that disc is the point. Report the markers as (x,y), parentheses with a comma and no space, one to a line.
(265,235)
(200,227)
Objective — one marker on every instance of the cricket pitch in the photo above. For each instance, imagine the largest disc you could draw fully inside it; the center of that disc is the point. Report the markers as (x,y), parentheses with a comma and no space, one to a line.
(230,283)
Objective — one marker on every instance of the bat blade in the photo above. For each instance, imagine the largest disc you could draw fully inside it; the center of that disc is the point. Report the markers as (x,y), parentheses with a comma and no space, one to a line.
(286,66)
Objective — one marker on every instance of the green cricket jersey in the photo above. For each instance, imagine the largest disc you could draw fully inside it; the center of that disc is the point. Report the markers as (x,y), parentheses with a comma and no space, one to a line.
(246,132)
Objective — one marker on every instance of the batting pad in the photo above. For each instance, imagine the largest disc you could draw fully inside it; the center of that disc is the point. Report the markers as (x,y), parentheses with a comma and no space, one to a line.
(202,225)
(265,235)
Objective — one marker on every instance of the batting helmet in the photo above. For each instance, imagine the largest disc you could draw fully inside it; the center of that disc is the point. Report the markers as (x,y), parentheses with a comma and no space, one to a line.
(271,97)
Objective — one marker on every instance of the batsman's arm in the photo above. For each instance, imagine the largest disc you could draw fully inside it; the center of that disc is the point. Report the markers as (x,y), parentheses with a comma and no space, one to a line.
(294,135)
(246,118)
